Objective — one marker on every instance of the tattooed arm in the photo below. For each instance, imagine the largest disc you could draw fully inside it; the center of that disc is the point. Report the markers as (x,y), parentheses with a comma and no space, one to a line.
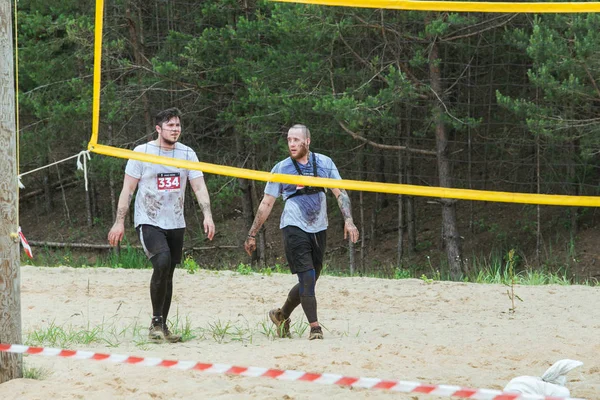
(116,233)
(263,212)
(199,187)
(343,200)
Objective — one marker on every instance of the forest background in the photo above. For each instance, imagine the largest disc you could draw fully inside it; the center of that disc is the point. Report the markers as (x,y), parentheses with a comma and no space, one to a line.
(503,102)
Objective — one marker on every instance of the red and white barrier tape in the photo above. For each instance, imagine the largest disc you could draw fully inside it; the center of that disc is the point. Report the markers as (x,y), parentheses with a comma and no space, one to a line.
(25,243)
(284,375)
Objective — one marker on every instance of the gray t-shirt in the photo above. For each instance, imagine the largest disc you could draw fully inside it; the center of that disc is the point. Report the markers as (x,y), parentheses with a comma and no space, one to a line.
(161,189)
(308,212)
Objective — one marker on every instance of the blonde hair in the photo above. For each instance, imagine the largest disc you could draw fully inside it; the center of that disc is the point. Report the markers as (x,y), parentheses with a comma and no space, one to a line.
(303,128)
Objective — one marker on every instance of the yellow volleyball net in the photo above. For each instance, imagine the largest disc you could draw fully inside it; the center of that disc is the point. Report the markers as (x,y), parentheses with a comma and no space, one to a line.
(400,189)
(463,6)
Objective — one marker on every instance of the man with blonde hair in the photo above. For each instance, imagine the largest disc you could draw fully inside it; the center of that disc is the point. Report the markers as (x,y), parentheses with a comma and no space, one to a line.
(304,226)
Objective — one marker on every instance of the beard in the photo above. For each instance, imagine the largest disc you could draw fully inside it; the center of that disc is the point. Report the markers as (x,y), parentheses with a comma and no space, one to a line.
(302,151)
(168,140)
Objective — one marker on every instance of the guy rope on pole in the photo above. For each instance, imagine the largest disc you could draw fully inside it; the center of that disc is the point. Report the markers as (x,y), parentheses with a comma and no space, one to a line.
(284,375)
(82,158)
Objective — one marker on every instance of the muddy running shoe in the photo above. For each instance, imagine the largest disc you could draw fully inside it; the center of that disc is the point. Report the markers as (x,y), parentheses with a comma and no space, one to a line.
(315,333)
(156,334)
(170,337)
(282,324)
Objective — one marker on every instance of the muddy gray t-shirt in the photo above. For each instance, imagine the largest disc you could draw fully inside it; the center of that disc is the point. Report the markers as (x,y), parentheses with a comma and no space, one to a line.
(309,211)
(161,189)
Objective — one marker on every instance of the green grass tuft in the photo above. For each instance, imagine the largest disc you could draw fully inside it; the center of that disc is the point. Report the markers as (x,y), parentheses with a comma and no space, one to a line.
(35,373)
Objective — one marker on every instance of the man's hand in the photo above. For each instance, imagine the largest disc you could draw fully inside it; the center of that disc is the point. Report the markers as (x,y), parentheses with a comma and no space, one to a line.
(351,231)
(209,228)
(250,245)
(115,235)
(264,209)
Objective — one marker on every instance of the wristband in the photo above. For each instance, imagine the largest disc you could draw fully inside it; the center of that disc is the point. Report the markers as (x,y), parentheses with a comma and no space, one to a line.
(253,237)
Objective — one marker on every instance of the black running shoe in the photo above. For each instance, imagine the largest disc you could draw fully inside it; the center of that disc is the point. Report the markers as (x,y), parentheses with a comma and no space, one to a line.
(315,333)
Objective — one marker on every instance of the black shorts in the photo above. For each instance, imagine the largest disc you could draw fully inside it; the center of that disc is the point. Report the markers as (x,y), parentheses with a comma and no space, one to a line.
(156,240)
(304,251)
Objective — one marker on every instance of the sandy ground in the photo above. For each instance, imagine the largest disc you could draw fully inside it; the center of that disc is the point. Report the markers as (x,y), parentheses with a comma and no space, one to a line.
(436,333)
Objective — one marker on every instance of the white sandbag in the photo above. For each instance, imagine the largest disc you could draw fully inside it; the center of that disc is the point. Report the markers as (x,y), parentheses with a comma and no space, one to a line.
(552,383)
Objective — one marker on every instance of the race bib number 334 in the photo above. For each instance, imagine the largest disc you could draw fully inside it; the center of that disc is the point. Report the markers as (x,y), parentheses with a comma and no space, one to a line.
(168,182)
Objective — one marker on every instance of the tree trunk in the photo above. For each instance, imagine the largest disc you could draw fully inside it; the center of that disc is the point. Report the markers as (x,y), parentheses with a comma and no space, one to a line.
(137,42)
(373,238)
(538,233)
(95,206)
(247,203)
(411,215)
(379,200)
(95,246)
(362,231)
(47,189)
(111,180)
(248,213)
(363,226)
(113,196)
(351,257)
(574,149)
(88,205)
(451,238)
(64,197)
(261,236)
(491,103)
(247,198)
(400,246)
(469,146)
(11,365)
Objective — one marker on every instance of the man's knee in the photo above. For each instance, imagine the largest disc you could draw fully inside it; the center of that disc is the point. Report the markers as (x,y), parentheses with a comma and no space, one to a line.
(161,263)
(307,280)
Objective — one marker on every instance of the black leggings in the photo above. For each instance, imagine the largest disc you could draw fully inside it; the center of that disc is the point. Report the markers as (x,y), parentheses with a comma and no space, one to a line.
(303,293)
(304,252)
(164,249)
(161,284)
